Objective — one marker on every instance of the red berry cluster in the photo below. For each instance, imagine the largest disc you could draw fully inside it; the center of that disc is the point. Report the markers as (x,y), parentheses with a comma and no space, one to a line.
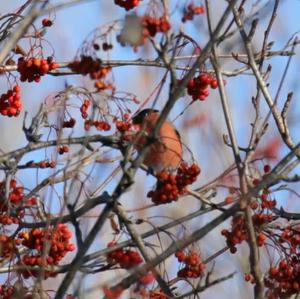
(63,149)
(112,293)
(127,128)
(140,288)
(292,238)
(198,86)
(166,188)
(261,239)
(169,186)
(69,123)
(10,102)
(264,202)
(36,260)
(7,246)
(84,107)
(157,295)
(57,239)
(107,46)
(6,291)
(194,267)
(46,164)
(268,204)
(123,125)
(239,233)
(260,219)
(191,11)
(20,291)
(32,69)
(147,279)
(283,281)
(15,198)
(16,193)
(100,125)
(127,4)
(153,25)
(31,202)
(186,175)
(89,65)
(126,258)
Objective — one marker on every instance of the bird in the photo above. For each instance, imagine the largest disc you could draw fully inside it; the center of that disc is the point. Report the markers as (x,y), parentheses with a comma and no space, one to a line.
(166,152)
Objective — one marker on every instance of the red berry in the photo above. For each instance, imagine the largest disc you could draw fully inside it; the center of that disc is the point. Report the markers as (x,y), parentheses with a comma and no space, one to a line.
(47,22)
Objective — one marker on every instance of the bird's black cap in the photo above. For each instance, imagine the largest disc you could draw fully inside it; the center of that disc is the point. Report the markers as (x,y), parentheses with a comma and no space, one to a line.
(138,118)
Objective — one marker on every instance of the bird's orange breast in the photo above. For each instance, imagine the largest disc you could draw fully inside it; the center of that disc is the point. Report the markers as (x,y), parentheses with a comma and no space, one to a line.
(166,152)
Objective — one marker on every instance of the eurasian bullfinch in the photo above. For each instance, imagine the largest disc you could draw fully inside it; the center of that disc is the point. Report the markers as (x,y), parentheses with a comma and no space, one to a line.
(166,152)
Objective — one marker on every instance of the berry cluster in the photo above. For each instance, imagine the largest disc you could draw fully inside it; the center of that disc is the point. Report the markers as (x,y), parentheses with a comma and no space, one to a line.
(141,286)
(198,86)
(157,295)
(100,125)
(63,149)
(107,46)
(260,219)
(55,239)
(194,267)
(46,164)
(166,188)
(169,186)
(6,291)
(267,203)
(123,126)
(84,107)
(186,175)
(264,202)
(7,246)
(32,69)
(126,258)
(127,128)
(112,293)
(283,281)
(69,123)
(249,278)
(153,25)
(88,65)
(15,199)
(239,233)
(191,11)
(147,279)
(10,102)
(292,238)
(127,4)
